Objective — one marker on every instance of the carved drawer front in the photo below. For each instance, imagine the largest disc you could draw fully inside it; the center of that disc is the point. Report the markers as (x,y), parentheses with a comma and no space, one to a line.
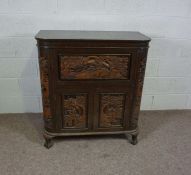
(74,111)
(94,67)
(111,110)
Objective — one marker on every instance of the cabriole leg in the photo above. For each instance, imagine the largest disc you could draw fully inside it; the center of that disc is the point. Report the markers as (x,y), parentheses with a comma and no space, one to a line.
(48,141)
(134,139)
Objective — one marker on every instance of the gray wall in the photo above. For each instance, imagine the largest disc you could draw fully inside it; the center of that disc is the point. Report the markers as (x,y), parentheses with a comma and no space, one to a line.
(167,22)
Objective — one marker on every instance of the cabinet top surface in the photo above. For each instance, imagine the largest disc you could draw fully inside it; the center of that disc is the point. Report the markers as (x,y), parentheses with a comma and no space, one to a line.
(90,35)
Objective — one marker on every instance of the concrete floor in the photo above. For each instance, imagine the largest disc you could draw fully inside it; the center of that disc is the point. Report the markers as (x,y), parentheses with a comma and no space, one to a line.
(164,148)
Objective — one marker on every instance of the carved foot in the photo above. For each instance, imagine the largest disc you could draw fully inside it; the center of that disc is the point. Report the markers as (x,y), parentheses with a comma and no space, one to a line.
(134,139)
(48,141)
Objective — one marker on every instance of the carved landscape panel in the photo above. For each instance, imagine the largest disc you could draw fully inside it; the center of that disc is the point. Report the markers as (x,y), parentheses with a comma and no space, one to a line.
(111,110)
(95,67)
(75,111)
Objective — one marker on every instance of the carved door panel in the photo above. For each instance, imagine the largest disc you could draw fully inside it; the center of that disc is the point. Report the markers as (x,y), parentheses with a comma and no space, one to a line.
(73,109)
(74,113)
(111,111)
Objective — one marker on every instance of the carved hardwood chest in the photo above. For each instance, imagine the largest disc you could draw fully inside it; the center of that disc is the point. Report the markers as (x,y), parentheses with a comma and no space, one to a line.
(91,82)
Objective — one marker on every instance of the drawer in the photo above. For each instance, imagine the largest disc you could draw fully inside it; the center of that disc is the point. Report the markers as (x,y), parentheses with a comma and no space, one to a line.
(84,67)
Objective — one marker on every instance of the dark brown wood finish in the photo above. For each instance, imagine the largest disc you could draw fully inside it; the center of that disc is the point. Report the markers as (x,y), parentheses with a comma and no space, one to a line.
(91,82)
(94,67)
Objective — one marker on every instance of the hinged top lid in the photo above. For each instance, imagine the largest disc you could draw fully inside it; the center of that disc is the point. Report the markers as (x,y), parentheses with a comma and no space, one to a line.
(90,35)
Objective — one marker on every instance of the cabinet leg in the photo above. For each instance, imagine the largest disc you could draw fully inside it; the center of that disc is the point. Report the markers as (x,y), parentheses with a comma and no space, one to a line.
(48,141)
(134,139)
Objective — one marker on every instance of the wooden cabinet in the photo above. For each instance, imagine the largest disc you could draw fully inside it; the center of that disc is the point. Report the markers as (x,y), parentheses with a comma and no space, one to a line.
(91,82)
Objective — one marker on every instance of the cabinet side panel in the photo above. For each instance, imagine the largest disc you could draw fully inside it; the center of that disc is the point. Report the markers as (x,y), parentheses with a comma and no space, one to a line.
(142,59)
(45,86)
(44,76)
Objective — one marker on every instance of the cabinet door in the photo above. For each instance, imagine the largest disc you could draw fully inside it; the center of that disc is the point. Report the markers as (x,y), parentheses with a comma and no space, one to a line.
(73,110)
(111,111)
